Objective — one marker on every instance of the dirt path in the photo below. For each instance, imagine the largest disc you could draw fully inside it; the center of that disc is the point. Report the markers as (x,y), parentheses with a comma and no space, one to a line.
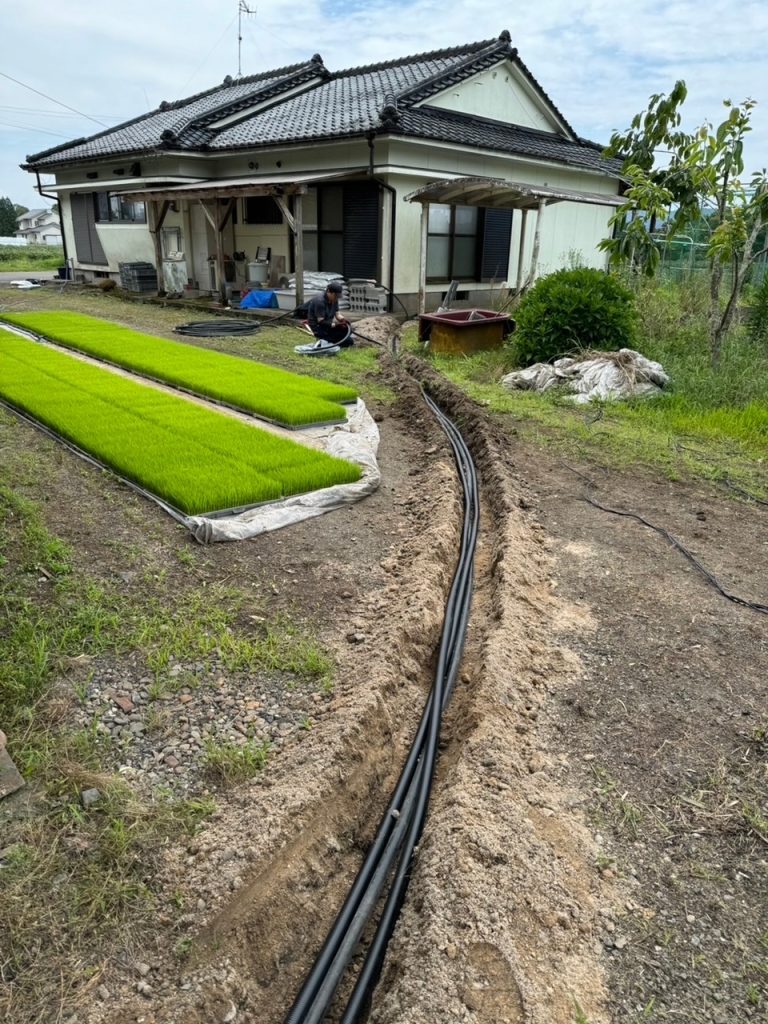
(596,848)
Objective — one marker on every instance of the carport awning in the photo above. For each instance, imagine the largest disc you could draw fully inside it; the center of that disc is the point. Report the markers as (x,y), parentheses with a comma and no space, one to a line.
(498,192)
(230,188)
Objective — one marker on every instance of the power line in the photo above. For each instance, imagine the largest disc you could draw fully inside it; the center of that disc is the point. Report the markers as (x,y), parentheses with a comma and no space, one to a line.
(53,100)
(46,113)
(35,131)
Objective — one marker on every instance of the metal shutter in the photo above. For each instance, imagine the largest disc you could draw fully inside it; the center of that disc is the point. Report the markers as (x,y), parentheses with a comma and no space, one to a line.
(87,244)
(361,229)
(496,239)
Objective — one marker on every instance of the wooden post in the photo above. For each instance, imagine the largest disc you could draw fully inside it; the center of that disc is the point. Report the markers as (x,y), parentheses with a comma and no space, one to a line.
(521,252)
(536,244)
(423,258)
(220,255)
(154,229)
(298,227)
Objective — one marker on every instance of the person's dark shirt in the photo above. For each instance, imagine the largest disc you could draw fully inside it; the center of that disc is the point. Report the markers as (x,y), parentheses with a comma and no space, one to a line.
(321,311)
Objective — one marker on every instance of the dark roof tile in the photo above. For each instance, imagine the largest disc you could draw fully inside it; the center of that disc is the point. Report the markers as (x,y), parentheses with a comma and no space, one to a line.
(378,98)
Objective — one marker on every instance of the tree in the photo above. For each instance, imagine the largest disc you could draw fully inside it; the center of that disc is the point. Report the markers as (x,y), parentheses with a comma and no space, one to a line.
(699,188)
(21,209)
(8,216)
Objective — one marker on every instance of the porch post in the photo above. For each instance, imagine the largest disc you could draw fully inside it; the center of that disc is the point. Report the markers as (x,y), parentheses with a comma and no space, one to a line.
(154,229)
(536,243)
(219,229)
(521,252)
(298,228)
(423,258)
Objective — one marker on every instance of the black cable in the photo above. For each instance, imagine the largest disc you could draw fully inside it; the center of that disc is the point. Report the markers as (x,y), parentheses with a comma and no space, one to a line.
(687,554)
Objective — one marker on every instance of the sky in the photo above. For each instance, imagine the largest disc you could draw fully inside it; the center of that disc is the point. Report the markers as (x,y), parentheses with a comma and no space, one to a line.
(598,60)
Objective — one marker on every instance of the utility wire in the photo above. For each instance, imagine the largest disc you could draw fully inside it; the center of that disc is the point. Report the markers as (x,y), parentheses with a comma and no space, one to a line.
(35,131)
(53,100)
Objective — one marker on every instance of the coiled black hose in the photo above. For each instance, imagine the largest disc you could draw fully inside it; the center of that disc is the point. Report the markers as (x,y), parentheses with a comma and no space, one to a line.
(217,328)
(402,824)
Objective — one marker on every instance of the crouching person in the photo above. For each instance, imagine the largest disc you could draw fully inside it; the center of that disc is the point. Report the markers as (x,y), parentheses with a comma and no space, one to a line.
(324,320)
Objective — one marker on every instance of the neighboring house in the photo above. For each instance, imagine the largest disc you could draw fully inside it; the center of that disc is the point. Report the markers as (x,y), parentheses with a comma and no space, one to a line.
(39,227)
(318,166)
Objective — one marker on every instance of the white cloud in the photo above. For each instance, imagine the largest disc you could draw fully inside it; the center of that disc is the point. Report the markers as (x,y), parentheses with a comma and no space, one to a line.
(598,62)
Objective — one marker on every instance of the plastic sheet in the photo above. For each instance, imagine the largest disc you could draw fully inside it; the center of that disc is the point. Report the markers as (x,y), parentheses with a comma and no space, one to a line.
(607,376)
(357,441)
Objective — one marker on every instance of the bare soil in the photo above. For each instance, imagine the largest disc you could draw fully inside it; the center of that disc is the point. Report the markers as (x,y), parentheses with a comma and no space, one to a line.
(597,847)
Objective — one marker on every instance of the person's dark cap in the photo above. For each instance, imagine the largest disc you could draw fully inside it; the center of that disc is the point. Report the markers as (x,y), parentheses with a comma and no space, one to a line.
(336,287)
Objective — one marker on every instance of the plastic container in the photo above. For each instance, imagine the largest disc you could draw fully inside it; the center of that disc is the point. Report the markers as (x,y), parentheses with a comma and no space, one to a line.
(286,298)
(258,272)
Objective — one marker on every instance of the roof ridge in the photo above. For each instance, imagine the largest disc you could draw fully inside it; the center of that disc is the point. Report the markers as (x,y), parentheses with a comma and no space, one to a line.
(501,47)
(164,106)
(450,51)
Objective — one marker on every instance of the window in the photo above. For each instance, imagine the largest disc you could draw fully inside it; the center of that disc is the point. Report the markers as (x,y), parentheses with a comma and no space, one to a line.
(452,242)
(261,210)
(170,239)
(114,208)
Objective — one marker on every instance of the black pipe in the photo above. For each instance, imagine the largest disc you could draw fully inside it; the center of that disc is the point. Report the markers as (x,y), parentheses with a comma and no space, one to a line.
(56,199)
(406,813)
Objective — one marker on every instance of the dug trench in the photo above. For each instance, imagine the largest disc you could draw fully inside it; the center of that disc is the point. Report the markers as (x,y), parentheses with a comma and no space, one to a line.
(503,903)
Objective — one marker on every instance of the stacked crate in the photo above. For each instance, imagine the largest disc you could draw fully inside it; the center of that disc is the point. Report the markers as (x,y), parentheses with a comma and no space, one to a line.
(138,277)
(365,296)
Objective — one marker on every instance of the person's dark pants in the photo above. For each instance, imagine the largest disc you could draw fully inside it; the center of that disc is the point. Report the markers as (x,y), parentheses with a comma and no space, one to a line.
(339,335)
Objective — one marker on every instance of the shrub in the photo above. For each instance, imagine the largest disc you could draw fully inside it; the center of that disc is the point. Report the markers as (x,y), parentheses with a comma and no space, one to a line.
(757,324)
(581,308)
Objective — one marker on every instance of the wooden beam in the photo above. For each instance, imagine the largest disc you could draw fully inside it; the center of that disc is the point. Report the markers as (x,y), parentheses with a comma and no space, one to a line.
(423,258)
(286,212)
(298,229)
(208,215)
(227,214)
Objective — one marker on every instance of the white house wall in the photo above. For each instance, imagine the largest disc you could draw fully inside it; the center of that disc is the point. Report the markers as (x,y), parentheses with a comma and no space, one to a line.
(500,92)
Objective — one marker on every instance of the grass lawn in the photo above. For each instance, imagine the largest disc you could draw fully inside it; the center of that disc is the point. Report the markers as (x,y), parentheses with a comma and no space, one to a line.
(194,458)
(712,424)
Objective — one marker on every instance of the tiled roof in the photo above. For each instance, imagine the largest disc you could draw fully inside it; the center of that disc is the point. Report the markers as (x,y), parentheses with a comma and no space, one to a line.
(379,98)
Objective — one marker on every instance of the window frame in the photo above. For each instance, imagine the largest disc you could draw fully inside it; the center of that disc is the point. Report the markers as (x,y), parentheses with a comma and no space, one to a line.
(110,208)
(452,234)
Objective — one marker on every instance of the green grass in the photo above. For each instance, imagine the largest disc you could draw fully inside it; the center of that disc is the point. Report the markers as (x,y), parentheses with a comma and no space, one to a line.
(27,258)
(267,392)
(196,459)
(712,424)
(233,762)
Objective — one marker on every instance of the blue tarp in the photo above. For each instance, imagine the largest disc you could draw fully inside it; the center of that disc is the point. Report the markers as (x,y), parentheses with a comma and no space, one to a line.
(259,300)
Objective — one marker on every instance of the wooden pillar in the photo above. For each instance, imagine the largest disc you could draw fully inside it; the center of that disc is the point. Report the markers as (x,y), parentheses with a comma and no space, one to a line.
(220,254)
(423,258)
(298,218)
(536,244)
(154,230)
(521,251)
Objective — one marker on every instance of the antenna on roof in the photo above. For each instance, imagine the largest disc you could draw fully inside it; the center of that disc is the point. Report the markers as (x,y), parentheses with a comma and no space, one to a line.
(242,8)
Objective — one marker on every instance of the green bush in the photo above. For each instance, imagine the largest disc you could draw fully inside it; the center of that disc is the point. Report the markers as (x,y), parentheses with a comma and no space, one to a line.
(573,309)
(757,324)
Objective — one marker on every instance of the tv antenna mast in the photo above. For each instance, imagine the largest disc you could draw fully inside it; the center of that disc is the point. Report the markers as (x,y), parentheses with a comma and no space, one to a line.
(242,8)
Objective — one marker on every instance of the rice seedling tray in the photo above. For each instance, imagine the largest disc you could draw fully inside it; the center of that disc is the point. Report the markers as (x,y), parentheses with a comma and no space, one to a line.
(277,396)
(192,458)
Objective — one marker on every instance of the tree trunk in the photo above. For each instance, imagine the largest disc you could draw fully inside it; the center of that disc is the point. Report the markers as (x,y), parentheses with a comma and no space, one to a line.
(715,320)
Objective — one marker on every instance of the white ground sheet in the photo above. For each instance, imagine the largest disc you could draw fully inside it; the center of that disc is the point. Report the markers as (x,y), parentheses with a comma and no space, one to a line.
(357,441)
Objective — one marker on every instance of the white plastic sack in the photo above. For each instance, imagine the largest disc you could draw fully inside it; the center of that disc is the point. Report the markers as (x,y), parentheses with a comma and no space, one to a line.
(609,376)
(357,441)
